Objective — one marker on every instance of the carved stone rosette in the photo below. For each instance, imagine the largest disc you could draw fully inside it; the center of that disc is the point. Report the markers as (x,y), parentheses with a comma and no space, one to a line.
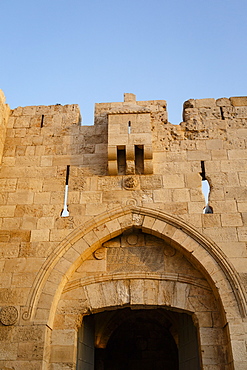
(130,182)
(8,315)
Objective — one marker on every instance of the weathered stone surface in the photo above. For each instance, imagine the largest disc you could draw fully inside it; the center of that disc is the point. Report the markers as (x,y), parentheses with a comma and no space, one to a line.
(135,236)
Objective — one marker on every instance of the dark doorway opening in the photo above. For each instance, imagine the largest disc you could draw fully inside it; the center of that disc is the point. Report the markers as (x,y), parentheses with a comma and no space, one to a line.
(145,339)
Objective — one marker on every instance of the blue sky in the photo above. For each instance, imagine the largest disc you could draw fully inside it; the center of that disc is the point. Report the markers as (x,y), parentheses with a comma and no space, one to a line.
(86,52)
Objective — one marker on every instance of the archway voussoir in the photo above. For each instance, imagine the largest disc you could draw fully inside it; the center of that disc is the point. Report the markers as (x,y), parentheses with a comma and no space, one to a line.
(81,246)
(91,238)
(148,223)
(190,244)
(158,227)
(179,236)
(41,316)
(95,297)
(114,227)
(63,265)
(136,292)
(109,292)
(123,292)
(50,287)
(181,294)
(209,264)
(151,291)
(200,254)
(169,231)
(102,232)
(71,255)
(166,293)
(125,221)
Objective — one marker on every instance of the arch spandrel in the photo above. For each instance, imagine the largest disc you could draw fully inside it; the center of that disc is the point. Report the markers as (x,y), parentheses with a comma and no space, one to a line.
(82,242)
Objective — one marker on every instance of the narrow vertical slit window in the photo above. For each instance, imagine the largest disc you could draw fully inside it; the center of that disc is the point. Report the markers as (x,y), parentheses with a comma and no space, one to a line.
(42,121)
(139,159)
(65,211)
(222,113)
(205,189)
(121,160)
(129,127)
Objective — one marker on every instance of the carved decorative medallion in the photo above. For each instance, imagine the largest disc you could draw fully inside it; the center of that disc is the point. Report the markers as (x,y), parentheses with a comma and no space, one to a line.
(99,254)
(130,182)
(8,315)
(169,251)
(132,239)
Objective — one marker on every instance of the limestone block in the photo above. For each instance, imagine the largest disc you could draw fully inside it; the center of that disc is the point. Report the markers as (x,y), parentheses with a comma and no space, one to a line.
(240,264)
(95,209)
(178,208)
(7,211)
(214,144)
(23,279)
(5,280)
(227,206)
(31,184)
(40,235)
(242,206)
(22,121)
(238,101)
(193,180)
(136,292)
(8,352)
(13,296)
(23,265)
(162,195)
(128,97)
(237,154)
(180,195)
(202,103)
(242,178)
(45,223)
(148,166)
(57,197)
(46,160)
(55,235)
(194,219)
(63,354)
(196,207)
(223,102)
(199,155)
(42,198)
(231,219)
(8,185)
(211,220)
(239,350)
(20,197)
(219,154)
(173,181)
(9,250)
(226,234)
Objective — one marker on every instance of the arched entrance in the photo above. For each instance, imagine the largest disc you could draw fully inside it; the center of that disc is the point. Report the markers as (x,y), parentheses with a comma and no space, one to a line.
(143,339)
(79,278)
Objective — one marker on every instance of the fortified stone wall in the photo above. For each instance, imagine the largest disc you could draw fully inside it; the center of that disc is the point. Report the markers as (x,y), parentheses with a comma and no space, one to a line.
(117,163)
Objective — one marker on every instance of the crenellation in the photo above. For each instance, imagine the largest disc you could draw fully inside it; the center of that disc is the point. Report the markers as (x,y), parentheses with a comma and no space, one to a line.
(135,235)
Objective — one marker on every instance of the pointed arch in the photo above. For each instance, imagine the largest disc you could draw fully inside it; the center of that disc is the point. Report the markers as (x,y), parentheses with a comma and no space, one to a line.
(78,245)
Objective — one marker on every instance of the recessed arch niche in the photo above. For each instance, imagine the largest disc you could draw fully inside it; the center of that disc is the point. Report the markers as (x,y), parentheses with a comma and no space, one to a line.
(140,273)
(53,300)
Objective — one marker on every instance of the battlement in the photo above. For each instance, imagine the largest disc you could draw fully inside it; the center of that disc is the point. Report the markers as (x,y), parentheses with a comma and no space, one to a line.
(201,110)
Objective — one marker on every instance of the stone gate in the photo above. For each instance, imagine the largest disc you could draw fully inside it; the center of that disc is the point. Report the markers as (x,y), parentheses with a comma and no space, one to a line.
(111,257)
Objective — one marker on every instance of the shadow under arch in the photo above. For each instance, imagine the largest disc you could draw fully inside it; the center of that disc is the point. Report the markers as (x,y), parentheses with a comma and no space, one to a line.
(79,244)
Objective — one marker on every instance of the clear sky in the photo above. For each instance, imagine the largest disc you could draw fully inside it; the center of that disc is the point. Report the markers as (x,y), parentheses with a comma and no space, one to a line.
(86,52)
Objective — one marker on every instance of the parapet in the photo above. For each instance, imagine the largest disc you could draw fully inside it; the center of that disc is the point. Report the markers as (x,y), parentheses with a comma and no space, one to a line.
(131,106)
(201,110)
